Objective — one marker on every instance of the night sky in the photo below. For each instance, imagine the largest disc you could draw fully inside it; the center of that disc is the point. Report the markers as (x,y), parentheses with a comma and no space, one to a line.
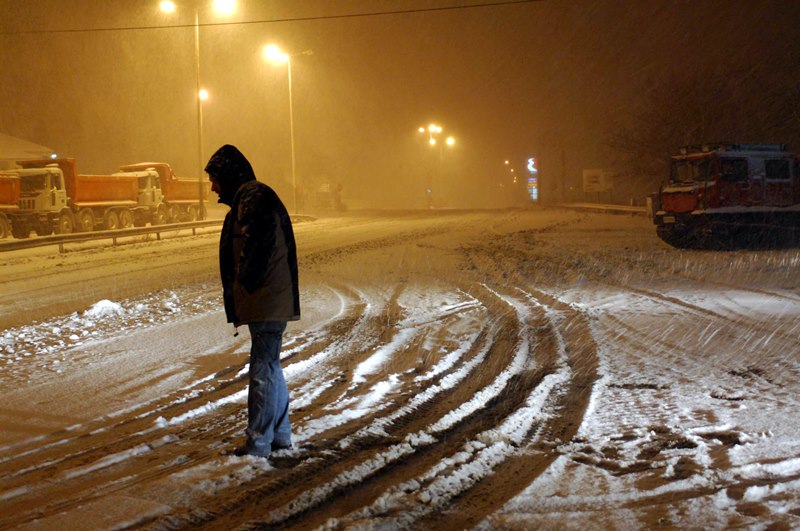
(545,79)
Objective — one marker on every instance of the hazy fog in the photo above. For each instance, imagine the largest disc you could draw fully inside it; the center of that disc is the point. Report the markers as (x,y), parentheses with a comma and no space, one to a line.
(113,83)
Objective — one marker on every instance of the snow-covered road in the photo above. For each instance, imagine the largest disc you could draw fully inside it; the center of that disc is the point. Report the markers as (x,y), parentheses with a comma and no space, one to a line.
(490,369)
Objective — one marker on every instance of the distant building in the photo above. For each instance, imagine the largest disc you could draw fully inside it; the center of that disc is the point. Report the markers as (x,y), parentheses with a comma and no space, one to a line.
(13,149)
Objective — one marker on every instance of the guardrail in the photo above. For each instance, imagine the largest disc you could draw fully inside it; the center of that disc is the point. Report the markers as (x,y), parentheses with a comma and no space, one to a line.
(609,209)
(114,235)
(79,237)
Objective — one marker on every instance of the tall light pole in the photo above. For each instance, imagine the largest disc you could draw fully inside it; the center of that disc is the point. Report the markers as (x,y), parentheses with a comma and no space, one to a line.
(275,55)
(225,7)
(433,130)
(200,97)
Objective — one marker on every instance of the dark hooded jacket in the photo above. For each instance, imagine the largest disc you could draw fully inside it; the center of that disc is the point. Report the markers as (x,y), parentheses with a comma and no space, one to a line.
(257,251)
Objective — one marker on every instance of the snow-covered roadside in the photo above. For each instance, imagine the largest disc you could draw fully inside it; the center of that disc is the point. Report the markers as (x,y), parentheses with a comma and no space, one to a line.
(125,353)
(52,344)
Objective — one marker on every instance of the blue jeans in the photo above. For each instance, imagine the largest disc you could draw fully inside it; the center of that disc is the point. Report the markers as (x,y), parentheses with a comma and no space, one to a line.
(268,425)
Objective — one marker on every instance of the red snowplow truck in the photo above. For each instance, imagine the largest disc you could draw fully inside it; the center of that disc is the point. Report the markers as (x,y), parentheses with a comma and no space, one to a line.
(54,197)
(730,195)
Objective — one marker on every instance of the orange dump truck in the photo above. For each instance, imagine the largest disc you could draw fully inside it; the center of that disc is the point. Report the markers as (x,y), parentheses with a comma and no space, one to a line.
(54,197)
(9,199)
(181,194)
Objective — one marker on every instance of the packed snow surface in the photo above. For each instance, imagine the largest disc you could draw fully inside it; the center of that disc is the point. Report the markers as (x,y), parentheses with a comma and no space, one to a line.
(512,369)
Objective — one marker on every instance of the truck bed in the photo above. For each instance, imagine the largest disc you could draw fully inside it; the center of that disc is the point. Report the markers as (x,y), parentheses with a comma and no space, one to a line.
(103,190)
(9,191)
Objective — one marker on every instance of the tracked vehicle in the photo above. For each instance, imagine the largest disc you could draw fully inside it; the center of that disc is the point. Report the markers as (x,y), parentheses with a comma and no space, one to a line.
(730,195)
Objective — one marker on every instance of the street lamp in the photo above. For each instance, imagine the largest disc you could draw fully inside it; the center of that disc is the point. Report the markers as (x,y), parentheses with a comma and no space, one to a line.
(274,55)
(511,171)
(433,130)
(223,7)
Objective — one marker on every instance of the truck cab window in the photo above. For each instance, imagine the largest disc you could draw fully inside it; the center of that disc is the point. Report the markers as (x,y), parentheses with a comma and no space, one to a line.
(702,170)
(675,172)
(734,170)
(33,183)
(691,171)
(777,169)
(681,172)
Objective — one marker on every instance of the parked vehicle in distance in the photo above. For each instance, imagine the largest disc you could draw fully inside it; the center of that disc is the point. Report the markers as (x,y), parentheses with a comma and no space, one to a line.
(54,197)
(9,200)
(181,195)
(730,195)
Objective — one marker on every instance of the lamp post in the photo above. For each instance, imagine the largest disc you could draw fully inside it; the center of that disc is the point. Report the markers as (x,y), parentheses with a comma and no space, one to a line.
(433,130)
(225,7)
(202,95)
(275,55)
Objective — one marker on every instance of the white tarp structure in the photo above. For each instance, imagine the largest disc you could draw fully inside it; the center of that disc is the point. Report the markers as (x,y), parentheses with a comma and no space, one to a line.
(12,149)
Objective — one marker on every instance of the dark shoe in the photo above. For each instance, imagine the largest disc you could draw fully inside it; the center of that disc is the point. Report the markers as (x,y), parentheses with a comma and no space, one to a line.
(238,451)
(276,447)
(241,451)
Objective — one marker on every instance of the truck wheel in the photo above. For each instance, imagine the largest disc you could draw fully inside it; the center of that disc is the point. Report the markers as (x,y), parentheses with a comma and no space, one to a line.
(125,218)
(86,220)
(44,228)
(20,229)
(111,220)
(160,217)
(192,213)
(5,227)
(66,222)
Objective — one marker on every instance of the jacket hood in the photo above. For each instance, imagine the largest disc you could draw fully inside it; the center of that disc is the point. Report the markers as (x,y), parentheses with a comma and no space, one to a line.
(231,170)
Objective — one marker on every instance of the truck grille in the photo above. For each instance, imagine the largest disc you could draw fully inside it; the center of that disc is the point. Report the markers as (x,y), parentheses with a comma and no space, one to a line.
(27,204)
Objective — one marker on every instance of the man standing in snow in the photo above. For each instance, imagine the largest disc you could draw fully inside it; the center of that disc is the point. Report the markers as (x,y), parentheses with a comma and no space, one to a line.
(258,266)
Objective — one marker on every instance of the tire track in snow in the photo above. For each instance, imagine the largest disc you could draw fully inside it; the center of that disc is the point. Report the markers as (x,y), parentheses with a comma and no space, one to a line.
(59,479)
(369,390)
(142,427)
(425,446)
(491,466)
(119,455)
(558,407)
(353,338)
(362,452)
(14,455)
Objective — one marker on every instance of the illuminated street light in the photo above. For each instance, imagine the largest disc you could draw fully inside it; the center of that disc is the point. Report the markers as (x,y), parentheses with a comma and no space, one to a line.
(275,55)
(223,7)
(433,130)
